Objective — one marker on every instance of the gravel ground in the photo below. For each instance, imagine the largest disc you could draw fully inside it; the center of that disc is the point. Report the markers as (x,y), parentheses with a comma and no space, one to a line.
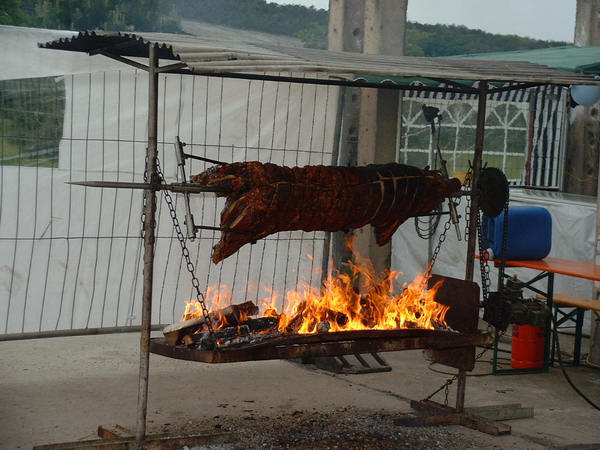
(346,428)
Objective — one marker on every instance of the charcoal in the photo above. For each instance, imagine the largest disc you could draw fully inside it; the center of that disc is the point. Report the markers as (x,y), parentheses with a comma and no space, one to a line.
(207,342)
(323,327)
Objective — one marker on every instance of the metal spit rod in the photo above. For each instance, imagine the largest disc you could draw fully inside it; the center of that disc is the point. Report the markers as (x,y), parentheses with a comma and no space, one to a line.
(182,188)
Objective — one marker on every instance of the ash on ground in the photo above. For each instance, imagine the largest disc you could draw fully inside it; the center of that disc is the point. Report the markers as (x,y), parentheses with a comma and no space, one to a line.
(347,429)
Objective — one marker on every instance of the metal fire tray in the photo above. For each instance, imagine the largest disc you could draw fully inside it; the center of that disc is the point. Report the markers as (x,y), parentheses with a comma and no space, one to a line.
(326,344)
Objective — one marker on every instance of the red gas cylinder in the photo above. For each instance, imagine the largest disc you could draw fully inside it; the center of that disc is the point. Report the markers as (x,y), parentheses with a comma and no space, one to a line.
(527,347)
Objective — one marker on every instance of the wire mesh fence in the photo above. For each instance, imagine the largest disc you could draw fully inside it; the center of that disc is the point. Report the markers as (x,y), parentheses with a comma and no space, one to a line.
(71,257)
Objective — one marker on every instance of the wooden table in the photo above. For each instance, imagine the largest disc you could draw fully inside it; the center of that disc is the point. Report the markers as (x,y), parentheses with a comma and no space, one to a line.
(547,268)
(568,267)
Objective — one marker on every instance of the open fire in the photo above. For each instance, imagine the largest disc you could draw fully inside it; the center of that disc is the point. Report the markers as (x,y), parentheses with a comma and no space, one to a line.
(337,307)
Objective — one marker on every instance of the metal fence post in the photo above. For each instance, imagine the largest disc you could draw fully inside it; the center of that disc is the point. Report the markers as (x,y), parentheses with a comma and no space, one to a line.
(149,220)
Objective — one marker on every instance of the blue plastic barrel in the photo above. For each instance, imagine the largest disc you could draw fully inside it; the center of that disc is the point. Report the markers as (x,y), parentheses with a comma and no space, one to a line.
(529,233)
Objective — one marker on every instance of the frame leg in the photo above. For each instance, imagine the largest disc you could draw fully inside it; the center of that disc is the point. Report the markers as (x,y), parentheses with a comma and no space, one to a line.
(548,331)
(552,339)
(578,336)
(460,391)
(149,225)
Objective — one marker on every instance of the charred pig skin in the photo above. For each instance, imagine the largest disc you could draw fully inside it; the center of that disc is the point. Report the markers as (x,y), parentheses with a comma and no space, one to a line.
(264,199)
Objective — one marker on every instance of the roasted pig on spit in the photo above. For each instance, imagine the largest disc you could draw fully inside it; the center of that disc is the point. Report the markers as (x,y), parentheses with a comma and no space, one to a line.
(263,199)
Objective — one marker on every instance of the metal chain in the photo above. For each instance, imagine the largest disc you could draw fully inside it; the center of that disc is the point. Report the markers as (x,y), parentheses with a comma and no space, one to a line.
(485,285)
(446,385)
(438,246)
(468,186)
(182,242)
(484,259)
(504,244)
(144,198)
(448,224)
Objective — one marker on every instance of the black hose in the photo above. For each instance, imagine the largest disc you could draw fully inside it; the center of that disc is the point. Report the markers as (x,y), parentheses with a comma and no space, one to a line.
(560,363)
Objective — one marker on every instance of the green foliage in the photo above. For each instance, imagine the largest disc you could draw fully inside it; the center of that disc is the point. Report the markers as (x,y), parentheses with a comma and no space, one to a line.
(141,15)
(32,112)
(446,40)
(11,13)
(310,25)
(307,24)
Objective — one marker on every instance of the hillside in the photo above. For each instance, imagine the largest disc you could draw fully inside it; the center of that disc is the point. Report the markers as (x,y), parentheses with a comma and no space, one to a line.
(306,24)
(310,25)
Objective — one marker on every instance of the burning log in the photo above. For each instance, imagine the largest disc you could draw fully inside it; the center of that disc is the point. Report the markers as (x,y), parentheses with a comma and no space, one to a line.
(253,330)
(232,315)
(316,322)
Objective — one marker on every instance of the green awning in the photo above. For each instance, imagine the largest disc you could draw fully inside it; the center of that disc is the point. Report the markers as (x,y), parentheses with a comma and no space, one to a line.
(574,59)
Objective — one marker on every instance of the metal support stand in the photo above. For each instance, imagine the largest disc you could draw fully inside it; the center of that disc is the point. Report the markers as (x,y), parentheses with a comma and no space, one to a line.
(461,385)
(473,213)
(485,419)
(149,222)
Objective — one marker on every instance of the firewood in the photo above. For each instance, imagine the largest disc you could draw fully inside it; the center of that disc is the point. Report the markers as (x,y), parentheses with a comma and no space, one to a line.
(231,315)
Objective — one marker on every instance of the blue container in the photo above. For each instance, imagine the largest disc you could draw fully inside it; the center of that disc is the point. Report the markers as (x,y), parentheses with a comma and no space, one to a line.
(529,233)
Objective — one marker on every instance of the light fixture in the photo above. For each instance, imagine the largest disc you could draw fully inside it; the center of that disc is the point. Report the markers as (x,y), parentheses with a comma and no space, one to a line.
(585,95)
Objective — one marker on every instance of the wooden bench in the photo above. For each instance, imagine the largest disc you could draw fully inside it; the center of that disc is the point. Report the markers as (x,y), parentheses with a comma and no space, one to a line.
(580,306)
(568,301)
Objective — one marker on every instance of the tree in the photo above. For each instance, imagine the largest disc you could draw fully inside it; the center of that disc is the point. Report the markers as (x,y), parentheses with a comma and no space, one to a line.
(11,13)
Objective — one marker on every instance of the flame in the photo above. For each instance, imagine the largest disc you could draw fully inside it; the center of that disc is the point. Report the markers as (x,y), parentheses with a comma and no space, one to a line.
(339,306)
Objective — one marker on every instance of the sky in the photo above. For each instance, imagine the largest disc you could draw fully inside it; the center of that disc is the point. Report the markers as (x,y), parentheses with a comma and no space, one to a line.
(541,19)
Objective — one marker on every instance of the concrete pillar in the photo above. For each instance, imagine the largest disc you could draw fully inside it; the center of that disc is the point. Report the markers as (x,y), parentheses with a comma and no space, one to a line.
(371,120)
(587,28)
(583,155)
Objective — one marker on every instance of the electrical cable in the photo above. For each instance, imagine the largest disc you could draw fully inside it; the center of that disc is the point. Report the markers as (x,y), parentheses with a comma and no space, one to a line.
(564,372)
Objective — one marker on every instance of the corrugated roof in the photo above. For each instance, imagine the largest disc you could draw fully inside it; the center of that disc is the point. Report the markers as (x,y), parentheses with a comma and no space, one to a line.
(575,59)
(205,56)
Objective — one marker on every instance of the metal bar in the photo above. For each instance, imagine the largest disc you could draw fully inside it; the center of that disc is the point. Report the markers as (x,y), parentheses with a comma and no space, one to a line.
(548,331)
(477,161)
(515,87)
(473,216)
(495,353)
(578,335)
(75,332)
(327,344)
(171,67)
(454,83)
(331,82)
(173,187)
(201,158)
(149,223)
(229,230)
(460,391)
(121,59)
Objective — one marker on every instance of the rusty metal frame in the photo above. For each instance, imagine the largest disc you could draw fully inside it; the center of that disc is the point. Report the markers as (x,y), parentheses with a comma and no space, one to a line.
(432,342)
(327,344)
(149,229)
